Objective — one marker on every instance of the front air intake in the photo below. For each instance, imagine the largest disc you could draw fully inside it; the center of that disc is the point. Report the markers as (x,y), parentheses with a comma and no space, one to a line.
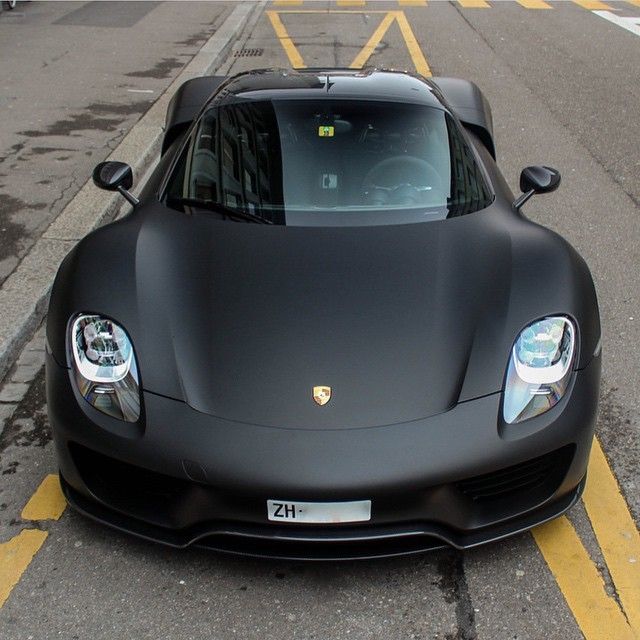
(544,473)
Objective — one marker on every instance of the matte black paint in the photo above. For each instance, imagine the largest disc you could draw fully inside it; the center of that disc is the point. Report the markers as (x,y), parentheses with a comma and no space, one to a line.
(412,325)
(186,104)
(468,103)
(111,175)
(539,179)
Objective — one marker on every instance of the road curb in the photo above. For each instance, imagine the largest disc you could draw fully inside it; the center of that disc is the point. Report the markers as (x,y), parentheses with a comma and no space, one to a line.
(25,293)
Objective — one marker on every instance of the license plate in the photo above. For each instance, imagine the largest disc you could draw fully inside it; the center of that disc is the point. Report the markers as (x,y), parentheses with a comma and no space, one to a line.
(318,512)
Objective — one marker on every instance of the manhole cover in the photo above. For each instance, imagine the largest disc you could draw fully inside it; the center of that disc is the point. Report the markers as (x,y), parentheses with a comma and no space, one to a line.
(248,53)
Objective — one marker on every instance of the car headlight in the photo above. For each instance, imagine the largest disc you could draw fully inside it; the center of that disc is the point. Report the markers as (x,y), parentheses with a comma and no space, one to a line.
(105,366)
(539,368)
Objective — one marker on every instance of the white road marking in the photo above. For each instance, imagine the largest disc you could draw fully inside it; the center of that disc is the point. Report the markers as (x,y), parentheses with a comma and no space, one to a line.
(140,90)
(630,24)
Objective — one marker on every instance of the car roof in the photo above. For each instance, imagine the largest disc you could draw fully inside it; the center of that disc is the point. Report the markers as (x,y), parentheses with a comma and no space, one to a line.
(363,84)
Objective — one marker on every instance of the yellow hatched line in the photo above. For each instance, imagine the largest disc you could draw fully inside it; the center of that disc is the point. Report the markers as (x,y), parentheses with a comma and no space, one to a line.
(616,533)
(596,613)
(361,59)
(330,11)
(474,4)
(15,557)
(535,4)
(365,53)
(47,503)
(419,61)
(287,44)
(593,5)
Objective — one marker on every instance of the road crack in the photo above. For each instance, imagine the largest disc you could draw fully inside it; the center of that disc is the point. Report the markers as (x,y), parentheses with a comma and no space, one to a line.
(453,584)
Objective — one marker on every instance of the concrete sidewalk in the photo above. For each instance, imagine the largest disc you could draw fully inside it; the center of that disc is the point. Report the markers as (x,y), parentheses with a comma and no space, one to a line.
(24,293)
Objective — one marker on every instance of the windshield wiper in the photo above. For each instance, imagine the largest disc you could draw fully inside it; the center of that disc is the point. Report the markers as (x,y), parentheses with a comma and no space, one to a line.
(219,208)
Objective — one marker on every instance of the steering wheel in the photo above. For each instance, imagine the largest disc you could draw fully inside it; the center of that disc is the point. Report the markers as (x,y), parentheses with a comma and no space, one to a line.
(402,180)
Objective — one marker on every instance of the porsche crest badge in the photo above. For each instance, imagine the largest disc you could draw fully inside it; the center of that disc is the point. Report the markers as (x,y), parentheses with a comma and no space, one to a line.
(321,395)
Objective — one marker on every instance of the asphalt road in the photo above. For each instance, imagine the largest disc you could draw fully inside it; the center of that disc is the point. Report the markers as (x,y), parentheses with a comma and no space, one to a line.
(564,86)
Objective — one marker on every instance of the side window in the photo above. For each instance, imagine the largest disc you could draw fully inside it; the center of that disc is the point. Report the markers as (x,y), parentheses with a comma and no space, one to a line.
(204,169)
(249,159)
(469,191)
(233,158)
(251,176)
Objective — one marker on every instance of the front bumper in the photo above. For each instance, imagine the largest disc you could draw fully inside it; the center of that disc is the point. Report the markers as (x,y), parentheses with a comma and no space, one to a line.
(182,477)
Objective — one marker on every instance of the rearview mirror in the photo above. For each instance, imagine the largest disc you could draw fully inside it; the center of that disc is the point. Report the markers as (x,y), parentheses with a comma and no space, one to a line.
(115,176)
(536,179)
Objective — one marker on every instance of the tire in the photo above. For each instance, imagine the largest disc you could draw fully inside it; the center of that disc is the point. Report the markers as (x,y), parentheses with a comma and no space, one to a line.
(9,4)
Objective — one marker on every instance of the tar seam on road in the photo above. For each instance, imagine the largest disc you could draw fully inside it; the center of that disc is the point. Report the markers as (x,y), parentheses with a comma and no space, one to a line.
(454,587)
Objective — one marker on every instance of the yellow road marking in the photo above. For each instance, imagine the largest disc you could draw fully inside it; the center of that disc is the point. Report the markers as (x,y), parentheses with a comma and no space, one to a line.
(593,5)
(328,10)
(15,557)
(616,533)
(47,503)
(419,61)
(474,4)
(596,613)
(287,44)
(361,59)
(535,4)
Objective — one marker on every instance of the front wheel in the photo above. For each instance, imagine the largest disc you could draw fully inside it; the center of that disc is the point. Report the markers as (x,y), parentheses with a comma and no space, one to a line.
(9,4)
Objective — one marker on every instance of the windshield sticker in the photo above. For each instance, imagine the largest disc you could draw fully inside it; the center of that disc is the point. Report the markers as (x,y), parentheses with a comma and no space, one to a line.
(326,131)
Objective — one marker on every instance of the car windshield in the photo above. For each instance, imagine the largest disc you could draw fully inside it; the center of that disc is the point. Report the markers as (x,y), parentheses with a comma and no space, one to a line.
(328,162)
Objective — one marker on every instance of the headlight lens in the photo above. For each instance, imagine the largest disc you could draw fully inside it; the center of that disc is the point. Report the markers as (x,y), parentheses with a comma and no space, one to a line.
(539,368)
(105,366)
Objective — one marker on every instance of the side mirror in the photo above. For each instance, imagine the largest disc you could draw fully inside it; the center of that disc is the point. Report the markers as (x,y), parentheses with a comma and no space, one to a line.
(115,176)
(537,179)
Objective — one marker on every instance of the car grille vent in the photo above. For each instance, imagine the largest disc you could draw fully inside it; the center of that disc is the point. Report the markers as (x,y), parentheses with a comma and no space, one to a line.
(528,477)
(248,53)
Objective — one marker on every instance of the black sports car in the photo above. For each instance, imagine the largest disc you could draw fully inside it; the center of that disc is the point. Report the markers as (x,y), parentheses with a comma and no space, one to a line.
(400,361)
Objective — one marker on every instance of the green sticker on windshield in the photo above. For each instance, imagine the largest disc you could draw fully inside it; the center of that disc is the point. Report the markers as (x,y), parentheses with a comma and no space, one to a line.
(326,131)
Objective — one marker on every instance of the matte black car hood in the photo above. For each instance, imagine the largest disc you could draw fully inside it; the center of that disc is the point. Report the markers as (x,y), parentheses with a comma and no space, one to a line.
(256,316)
(242,320)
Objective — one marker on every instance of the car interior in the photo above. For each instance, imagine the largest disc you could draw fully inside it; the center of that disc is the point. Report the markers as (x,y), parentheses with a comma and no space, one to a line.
(312,155)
